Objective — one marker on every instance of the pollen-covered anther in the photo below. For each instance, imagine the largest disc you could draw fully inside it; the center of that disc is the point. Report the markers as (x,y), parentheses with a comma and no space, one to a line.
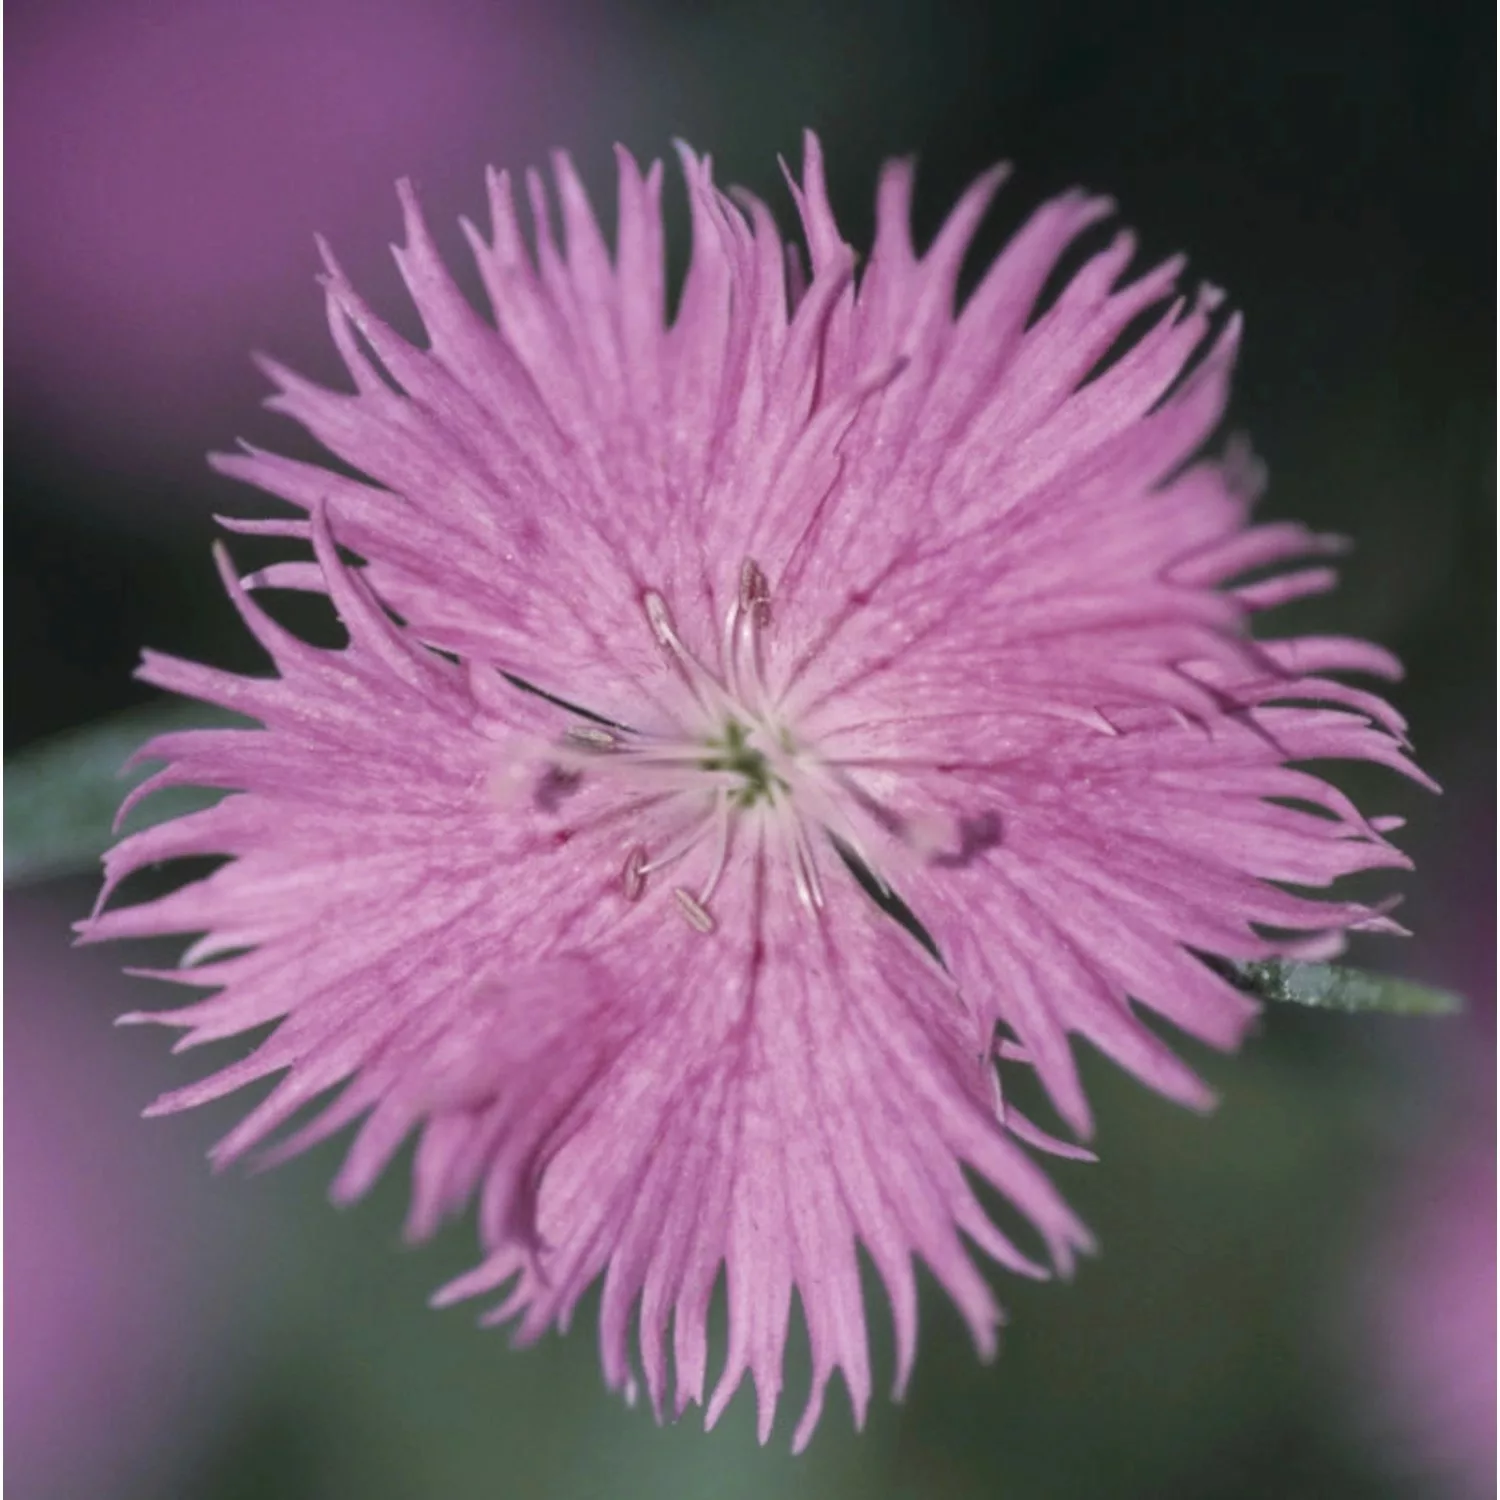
(755,593)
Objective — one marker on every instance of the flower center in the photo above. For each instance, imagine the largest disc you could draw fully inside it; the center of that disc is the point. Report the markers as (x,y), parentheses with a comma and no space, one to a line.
(734,752)
(693,784)
(725,772)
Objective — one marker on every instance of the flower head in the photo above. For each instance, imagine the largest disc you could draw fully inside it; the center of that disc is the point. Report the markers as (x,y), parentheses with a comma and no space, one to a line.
(724,639)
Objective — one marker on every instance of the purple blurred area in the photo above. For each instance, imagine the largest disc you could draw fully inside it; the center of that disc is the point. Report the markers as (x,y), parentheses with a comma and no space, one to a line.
(169,161)
(1427,1294)
(122,1261)
(1434,1310)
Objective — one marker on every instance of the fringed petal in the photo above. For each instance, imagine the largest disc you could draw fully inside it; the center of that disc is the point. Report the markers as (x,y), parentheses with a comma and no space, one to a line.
(674,637)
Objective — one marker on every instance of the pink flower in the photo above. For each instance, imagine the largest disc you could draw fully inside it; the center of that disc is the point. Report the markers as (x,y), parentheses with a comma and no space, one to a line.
(819,576)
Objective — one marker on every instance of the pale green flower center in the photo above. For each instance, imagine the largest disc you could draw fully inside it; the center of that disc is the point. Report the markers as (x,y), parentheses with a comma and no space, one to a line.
(734,751)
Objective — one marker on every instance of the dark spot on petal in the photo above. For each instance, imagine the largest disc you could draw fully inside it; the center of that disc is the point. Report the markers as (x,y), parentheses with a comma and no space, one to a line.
(554,785)
(976,834)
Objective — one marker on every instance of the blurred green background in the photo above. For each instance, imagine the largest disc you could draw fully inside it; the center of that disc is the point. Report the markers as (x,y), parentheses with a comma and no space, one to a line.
(169,1334)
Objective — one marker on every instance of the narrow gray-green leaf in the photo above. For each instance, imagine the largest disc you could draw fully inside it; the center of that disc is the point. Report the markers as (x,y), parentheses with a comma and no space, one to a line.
(61,795)
(1333,987)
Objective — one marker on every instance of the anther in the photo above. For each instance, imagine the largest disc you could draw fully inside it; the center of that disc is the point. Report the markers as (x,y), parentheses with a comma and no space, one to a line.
(697,915)
(755,593)
(633,876)
(591,738)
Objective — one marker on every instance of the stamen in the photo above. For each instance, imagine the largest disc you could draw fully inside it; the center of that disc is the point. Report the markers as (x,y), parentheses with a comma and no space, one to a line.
(692,909)
(749,614)
(707,688)
(675,851)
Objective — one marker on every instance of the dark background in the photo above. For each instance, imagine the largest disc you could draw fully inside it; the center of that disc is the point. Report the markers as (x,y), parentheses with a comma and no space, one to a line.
(1329,164)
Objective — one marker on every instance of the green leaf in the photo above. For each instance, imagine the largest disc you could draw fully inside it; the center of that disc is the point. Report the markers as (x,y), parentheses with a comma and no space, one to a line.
(1332,987)
(61,795)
